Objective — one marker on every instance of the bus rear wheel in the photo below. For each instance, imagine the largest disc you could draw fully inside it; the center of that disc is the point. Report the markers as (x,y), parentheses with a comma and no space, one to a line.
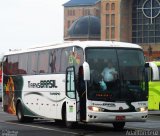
(118,125)
(19,113)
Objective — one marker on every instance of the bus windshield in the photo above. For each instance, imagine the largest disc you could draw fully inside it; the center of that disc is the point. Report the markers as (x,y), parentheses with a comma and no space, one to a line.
(117,74)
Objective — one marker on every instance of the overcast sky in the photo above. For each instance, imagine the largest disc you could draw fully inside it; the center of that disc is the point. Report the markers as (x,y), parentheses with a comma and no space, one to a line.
(30,23)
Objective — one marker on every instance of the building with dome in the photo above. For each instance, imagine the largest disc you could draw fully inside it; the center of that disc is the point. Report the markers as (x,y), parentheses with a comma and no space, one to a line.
(134,21)
(74,9)
(84,28)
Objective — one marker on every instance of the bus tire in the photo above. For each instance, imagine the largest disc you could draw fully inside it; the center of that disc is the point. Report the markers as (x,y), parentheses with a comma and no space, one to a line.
(19,113)
(118,125)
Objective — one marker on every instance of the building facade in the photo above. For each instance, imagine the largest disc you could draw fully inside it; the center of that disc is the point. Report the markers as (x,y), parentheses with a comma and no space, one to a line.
(146,26)
(116,20)
(134,21)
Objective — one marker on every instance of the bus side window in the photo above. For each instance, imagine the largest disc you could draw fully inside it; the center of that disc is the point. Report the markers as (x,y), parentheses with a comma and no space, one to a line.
(79,57)
(23,60)
(13,64)
(43,61)
(65,61)
(6,66)
(32,63)
(54,60)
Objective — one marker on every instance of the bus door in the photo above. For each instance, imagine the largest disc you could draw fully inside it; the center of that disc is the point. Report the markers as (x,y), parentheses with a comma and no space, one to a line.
(71,105)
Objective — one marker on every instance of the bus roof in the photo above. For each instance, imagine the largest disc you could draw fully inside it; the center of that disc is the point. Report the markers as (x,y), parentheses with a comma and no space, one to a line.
(156,62)
(83,44)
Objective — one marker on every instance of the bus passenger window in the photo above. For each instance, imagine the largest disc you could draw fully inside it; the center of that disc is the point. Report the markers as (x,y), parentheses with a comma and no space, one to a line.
(13,64)
(79,58)
(6,66)
(54,60)
(65,61)
(23,59)
(43,61)
(32,63)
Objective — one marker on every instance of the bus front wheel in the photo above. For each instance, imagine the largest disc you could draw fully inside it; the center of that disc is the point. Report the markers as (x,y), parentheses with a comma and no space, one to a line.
(118,125)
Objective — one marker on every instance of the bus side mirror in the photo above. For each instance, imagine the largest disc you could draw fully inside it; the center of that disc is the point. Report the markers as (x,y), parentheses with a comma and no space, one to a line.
(146,65)
(86,71)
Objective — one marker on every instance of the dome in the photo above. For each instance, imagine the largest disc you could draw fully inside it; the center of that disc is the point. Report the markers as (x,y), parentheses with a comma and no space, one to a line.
(85,26)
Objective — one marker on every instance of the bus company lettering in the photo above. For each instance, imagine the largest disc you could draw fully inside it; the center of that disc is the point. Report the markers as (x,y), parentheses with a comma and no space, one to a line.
(104,104)
(43,84)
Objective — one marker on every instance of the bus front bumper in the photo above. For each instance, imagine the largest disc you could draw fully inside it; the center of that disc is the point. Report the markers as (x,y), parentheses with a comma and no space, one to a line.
(117,116)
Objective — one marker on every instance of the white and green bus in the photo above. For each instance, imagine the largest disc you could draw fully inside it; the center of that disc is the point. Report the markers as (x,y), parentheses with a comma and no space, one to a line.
(64,82)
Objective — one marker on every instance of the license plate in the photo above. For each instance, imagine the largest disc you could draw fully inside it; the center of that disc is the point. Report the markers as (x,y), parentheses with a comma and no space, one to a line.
(120,118)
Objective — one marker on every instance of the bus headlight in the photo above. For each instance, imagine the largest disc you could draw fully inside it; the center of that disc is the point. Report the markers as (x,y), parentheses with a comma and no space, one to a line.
(96,109)
(142,109)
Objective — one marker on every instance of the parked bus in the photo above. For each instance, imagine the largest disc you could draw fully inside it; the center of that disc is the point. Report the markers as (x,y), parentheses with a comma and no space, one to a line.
(154,85)
(66,82)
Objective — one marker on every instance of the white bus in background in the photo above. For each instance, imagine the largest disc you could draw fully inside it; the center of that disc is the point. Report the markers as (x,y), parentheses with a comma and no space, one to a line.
(64,82)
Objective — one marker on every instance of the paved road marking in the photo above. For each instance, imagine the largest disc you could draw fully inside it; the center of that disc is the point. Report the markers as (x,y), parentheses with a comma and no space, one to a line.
(40,127)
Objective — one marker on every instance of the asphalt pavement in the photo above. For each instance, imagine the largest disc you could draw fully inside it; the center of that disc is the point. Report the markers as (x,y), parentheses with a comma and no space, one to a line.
(9,126)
